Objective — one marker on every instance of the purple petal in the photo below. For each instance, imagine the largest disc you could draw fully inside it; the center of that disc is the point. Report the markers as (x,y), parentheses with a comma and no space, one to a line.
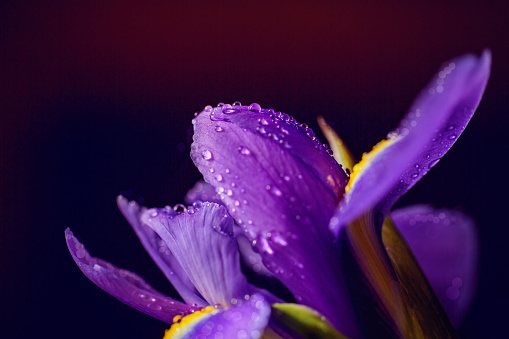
(246,320)
(202,241)
(202,191)
(159,252)
(250,258)
(434,122)
(281,185)
(124,285)
(446,246)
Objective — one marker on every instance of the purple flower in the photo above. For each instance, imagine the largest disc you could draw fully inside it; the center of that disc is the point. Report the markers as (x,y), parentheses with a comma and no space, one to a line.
(325,233)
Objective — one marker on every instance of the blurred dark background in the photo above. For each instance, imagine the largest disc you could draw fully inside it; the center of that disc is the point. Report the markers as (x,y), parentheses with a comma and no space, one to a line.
(96,98)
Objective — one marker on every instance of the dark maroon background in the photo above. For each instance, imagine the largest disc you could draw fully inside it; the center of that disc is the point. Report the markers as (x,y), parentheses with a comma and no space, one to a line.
(97,99)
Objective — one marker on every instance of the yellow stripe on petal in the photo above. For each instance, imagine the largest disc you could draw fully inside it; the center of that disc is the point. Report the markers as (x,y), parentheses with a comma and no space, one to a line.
(340,152)
(183,325)
(367,158)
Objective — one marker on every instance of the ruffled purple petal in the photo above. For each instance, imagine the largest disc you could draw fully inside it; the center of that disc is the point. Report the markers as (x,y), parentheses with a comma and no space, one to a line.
(281,186)
(446,246)
(434,122)
(202,192)
(159,252)
(124,285)
(202,240)
(248,319)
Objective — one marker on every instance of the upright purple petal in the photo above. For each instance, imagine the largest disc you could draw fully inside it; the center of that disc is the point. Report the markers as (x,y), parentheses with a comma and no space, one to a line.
(124,285)
(281,185)
(159,252)
(446,246)
(202,241)
(246,320)
(434,122)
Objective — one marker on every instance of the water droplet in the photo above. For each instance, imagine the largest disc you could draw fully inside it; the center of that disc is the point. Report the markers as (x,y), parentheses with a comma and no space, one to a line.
(330,152)
(433,163)
(227,171)
(254,107)
(452,137)
(237,103)
(229,193)
(211,170)
(263,121)
(221,104)
(304,125)
(244,150)
(450,128)
(274,190)
(179,208)
(207,108)
(261,130)
(207,155)
(229,110)
(219,177)
(415,175)
(218,129)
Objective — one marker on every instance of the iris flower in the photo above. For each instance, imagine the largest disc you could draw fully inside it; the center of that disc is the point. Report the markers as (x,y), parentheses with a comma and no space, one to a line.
(318,222)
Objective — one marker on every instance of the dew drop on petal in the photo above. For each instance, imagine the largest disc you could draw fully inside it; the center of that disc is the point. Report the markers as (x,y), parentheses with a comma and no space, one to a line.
(207,155)
(433,163)
(219,177)
(452,292)
(218,129)
(254,107)
(244,150)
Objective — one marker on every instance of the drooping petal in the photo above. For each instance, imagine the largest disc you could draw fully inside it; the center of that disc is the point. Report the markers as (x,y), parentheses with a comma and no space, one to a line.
(279,183)
(446,246)
(159,252)
(124,285)
(202,240)
(248,319)
(434,122)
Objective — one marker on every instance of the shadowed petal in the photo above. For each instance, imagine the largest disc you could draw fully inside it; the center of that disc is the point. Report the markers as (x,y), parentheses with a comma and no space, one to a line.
(201,191)
(281,185)
(446,246)
(202,241)
(434,122)
(248,320)
(159,252)
(124,285)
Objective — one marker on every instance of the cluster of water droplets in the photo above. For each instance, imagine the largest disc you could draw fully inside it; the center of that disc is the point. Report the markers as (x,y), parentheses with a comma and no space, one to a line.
(438,82)
(267,117)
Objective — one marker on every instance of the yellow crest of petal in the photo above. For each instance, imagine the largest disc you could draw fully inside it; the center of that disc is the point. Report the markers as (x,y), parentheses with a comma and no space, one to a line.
(366,160)
(183,325)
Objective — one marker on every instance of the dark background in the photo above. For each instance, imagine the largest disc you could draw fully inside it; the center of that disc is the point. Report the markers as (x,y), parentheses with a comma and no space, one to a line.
(97,99)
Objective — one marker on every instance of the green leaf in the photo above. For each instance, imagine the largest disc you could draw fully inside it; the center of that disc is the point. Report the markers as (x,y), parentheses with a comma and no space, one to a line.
(303,321)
